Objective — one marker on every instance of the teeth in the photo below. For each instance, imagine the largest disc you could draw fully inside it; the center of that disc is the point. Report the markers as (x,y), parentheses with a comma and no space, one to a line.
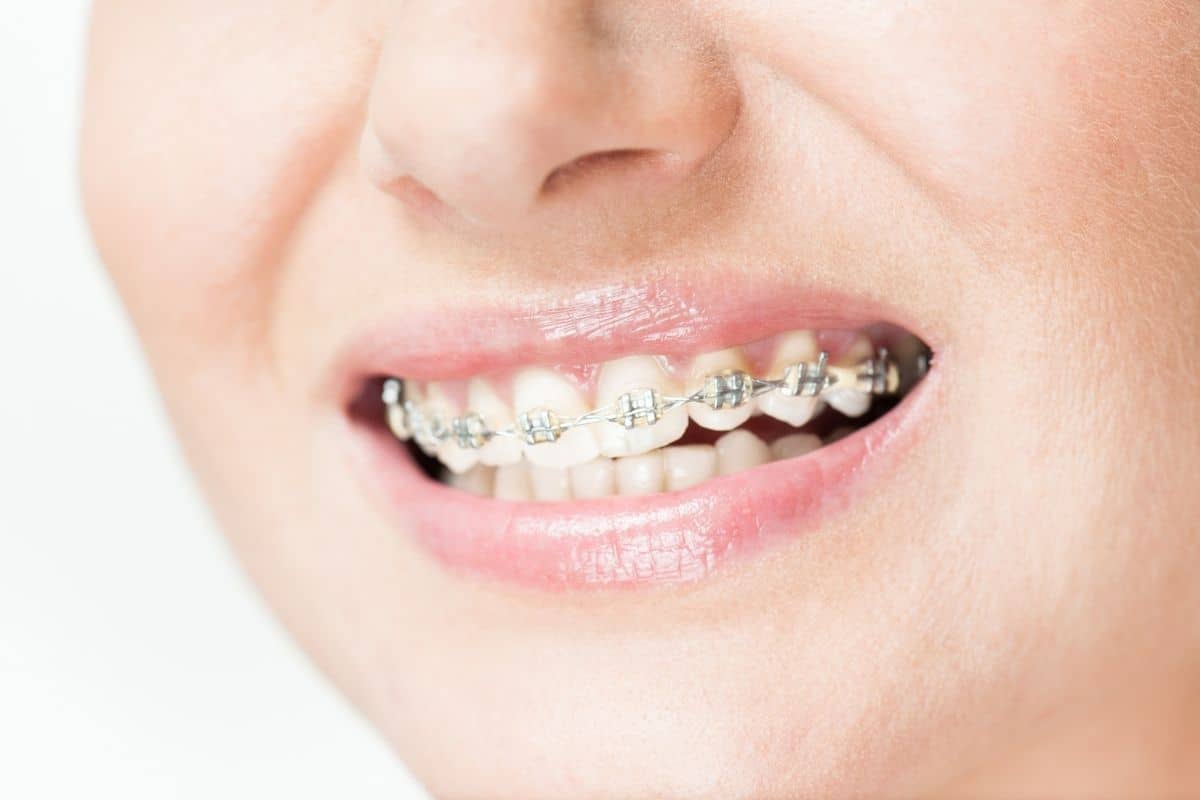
(640,474)
(560,447)
(512,483)
(629,375)
(851,402)
(688,465)
(483,400)
(397,417)
(740,450)
(456,459)
(550,483)
(538,389)
(796,444)
(724,419)
(477,481)
(593,479)
(792,348)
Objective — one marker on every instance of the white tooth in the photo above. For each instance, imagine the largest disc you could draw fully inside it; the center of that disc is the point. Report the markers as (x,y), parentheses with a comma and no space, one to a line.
(414,394)
(725,419)
(592,479)
(397,423)
(478,481)
(795,444)
(792,348)
(541,388)
(640,474)
(483,400)
(397,420)
(740,450)
(457,459)
(512,483)
(850,402)
(623,375)
(550,483)
(687,465)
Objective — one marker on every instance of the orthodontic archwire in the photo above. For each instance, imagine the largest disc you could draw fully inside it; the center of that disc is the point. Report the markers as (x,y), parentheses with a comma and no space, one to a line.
(728,389)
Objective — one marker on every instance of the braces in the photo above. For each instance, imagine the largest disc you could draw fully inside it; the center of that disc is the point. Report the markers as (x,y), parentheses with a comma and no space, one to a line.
(878,375)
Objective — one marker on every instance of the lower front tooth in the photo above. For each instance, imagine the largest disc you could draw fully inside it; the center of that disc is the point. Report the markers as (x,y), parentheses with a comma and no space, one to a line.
(687,465)
(740,450)
(796,444)
(512,483)
(550,483)
(593,479)
(478,481)
(642,474)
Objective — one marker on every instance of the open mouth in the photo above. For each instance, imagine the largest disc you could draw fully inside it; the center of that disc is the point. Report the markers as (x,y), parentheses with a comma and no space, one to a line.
(645,424)
(649,466)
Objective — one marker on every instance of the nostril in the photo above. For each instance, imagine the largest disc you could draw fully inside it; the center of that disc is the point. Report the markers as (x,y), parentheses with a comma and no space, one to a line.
(606,161)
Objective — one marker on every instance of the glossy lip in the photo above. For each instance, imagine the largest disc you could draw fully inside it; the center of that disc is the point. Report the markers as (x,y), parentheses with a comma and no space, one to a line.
(664,538)
(664,317)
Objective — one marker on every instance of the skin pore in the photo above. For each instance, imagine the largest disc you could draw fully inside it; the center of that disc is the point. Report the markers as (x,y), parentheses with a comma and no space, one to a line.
(1011,613)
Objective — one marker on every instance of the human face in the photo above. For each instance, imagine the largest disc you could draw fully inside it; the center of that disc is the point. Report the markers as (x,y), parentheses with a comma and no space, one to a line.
(298,199)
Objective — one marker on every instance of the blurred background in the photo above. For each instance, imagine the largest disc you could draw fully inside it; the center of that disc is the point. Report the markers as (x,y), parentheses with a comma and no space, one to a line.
(135,659)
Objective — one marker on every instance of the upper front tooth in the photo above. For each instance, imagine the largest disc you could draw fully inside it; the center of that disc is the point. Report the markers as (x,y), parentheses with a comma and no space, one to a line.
(850,402)
(483,400)
(647,428)
(535,389)
(793,348)
(704,365)
(457,459)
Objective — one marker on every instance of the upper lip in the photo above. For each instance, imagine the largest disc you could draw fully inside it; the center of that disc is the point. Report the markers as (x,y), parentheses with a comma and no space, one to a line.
(597,323)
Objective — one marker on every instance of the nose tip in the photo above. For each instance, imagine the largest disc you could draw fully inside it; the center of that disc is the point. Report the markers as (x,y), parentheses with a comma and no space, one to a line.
(546,110)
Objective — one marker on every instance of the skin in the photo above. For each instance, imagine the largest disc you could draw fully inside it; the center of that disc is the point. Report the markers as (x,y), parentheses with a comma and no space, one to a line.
(1012,613)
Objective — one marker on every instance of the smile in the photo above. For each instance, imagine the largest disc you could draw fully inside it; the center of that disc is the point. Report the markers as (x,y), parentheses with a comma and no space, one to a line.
(644,467)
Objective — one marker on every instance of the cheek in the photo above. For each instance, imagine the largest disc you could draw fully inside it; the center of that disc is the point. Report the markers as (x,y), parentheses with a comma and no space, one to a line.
(997,110)
(206,134)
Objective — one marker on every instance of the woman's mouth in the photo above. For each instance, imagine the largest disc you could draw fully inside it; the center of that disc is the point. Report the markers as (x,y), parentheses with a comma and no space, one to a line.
(649,466)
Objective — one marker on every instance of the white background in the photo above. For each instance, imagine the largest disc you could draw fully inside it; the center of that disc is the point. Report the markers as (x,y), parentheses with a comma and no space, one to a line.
(135,660)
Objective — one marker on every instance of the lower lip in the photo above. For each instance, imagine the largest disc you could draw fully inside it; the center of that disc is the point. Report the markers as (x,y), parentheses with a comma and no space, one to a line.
(616,542)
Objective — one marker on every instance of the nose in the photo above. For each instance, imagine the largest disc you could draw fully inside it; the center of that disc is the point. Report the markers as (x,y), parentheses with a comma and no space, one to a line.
(501,108)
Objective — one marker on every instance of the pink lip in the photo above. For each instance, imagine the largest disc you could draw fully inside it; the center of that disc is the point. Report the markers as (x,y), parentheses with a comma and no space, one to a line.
(664,317)
(619,541)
